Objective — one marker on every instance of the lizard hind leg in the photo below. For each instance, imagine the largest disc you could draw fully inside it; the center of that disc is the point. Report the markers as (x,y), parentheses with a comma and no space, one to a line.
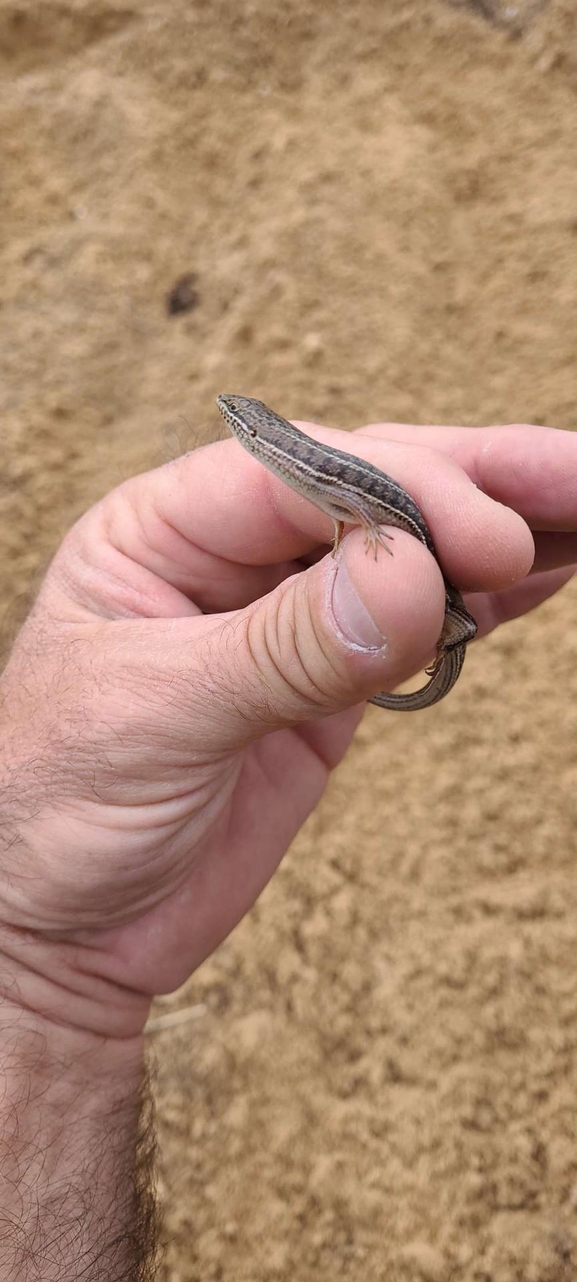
(339,527)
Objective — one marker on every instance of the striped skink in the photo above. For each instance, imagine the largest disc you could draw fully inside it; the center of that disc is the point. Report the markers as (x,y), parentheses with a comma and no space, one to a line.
(356,493)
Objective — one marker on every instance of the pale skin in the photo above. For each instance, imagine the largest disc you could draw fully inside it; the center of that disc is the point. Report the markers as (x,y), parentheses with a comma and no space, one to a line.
(171,712)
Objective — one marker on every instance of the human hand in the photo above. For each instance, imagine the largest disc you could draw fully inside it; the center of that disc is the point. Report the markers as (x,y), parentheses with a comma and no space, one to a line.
(179,693)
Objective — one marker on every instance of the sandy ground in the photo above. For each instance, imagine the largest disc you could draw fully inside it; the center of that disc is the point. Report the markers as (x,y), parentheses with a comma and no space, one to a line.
(378,204)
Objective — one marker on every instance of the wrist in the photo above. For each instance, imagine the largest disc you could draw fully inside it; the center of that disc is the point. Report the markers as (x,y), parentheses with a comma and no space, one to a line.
(75,1156)
(69,1070)
(34,1043)
(57,981)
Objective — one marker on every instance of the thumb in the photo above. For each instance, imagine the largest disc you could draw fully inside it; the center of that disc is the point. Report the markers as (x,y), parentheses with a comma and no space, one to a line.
(323,640)
(326,638)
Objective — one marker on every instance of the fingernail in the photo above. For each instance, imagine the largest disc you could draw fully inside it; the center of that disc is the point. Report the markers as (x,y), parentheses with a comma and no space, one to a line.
(351,615)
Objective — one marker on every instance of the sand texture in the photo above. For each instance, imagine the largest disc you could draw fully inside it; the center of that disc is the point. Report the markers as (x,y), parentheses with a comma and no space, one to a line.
(376,206)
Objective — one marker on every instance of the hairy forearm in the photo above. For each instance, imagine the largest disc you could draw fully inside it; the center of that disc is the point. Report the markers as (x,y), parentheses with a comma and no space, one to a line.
(76,1146)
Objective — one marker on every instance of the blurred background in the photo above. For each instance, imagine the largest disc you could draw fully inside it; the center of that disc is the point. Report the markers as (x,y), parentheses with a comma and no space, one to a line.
(356,212)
